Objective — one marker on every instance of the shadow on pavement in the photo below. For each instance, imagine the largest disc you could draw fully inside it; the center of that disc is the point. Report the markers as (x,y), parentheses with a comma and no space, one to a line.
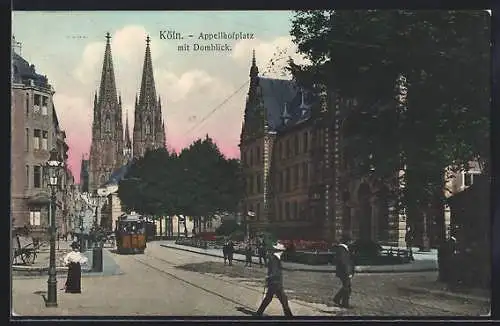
(246,311)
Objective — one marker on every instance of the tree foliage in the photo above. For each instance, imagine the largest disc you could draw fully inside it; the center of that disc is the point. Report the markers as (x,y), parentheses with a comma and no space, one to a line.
(199,182)
(444,55)
(443,119)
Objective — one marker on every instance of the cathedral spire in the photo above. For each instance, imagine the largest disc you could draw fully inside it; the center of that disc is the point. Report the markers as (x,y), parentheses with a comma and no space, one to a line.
(254,70)
(148,92)
(107,90)
(128,143)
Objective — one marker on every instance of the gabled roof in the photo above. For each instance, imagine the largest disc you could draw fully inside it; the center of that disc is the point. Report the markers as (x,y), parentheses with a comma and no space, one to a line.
(23,72)
(277,92)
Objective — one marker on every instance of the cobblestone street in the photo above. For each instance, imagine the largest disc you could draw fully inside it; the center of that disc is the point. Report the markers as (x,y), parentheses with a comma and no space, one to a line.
(373,294)
(166,282)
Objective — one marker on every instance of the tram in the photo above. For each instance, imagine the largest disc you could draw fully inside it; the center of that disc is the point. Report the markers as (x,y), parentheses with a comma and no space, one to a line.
(130,234)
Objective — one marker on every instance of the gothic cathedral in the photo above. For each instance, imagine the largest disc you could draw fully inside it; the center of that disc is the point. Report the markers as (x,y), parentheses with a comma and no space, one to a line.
(111,147)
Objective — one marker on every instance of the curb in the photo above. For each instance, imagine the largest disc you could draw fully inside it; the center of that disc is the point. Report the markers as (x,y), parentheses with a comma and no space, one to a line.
(445,294)
(358,269)
(37,271)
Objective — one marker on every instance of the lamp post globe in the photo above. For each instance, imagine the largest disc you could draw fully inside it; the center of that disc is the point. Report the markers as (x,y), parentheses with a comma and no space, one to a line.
(53,168)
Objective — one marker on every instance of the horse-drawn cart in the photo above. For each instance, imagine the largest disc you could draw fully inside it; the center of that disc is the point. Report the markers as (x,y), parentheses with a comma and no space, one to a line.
(25,247)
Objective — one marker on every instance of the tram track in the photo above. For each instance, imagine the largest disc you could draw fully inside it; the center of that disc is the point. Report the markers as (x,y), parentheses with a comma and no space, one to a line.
(171,275)
(408,300)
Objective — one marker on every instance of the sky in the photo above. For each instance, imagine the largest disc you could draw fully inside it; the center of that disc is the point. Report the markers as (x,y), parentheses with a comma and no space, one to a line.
(68,47)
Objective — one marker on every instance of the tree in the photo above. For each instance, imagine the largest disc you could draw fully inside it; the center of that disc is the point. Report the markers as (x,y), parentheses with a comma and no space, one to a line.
(149,185)
(199,182)
(211,182)
(441,122)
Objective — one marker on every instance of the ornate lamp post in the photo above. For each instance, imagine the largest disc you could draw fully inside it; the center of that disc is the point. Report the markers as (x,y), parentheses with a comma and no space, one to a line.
(53,166)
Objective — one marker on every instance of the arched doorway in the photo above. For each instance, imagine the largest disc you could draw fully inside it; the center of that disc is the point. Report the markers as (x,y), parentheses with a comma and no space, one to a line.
(365,212)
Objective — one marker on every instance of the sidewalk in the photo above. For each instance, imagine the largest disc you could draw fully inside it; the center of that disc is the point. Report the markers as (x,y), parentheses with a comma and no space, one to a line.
(41,265)
(419,265)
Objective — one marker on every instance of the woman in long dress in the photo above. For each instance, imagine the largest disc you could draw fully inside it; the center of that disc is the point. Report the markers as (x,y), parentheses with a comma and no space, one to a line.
(74,260)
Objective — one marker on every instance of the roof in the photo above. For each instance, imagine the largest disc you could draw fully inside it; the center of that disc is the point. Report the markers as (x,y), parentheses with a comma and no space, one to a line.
(277,92)
(23,72)
(118,174)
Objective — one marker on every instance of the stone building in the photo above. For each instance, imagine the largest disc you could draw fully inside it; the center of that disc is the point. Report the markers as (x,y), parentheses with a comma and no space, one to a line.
(149,128)
(35,130)
(112,148)
(106,151)
(84,175)
(456,182)
(111,145)
(276,154)
(298,173)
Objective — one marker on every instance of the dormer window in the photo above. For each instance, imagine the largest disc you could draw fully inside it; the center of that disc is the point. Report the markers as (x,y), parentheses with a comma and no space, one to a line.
(285,115)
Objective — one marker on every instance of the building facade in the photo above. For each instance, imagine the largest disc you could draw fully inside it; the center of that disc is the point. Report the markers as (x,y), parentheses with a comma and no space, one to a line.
(298,172)
(276,147)
(112,146)
(35,131)
(149,128)
(106,150)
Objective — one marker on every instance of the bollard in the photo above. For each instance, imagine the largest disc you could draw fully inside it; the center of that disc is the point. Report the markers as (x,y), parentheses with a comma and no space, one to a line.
(97,259)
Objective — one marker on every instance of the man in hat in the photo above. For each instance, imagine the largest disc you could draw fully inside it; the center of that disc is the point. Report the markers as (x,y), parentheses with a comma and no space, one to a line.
(274,281)
(344,271)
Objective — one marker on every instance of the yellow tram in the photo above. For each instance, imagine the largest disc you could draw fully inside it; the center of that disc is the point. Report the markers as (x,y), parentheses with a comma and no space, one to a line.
(130,234)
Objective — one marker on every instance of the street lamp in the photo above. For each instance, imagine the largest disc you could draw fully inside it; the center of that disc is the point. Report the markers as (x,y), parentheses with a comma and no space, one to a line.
(53,167)
(247,227)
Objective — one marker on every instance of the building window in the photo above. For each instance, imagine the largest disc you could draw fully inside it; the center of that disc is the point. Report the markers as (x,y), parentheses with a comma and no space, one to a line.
(306,142)
(250,185)
(278,181)
(37,176)
(36,104)
(27,140)
(257,156)
(257,211)
(37,135)
(282,150)
(287,210)
(250,154)
(278,149)
(35,217)
(467,179)
(296,144)
(45,101)
(278,211)
(305,173)
(288,148)
(27,176)
(295,210)
(27,104)
(45,136)
(259,184)
(295,176)
(107,125)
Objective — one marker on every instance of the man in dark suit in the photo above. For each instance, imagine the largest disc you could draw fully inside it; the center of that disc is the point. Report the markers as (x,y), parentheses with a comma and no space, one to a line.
(344,271)
(274,281)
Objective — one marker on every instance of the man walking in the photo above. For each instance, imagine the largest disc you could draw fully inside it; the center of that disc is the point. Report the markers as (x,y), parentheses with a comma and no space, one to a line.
(274,281)
(344,271)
